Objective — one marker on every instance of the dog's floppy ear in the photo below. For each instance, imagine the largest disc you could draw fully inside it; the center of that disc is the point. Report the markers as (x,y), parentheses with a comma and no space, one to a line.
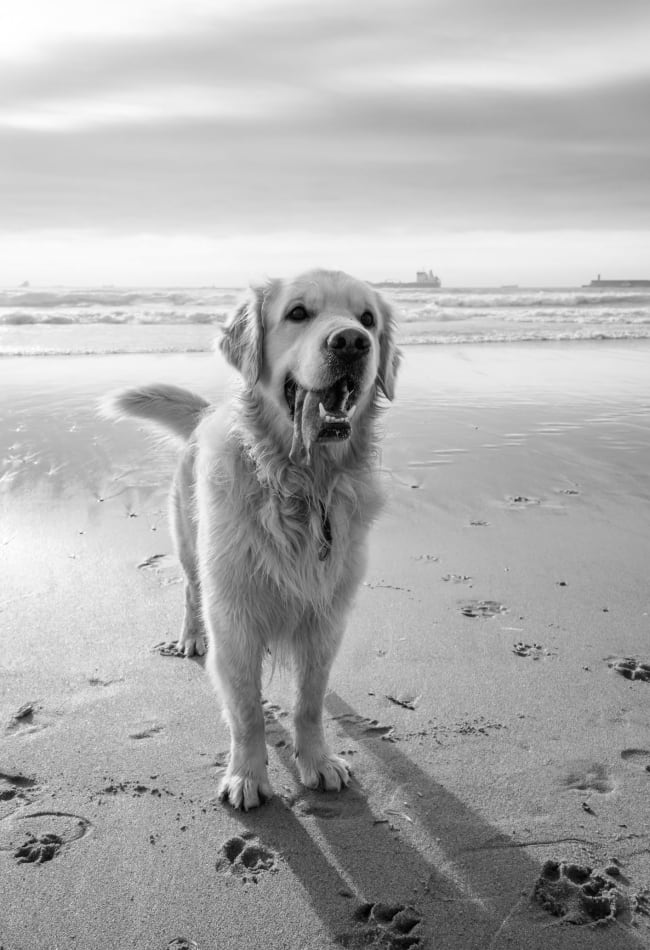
(389,354)
(242,342)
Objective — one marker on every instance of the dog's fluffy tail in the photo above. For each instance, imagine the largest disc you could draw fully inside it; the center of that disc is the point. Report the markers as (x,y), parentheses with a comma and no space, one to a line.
(176,410)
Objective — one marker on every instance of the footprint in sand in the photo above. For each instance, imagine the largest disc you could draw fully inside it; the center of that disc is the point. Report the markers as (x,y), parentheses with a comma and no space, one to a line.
(27,719)
(164,568)
(325,812)
(631,668)
(272,711)
(383,925)
(579,895)
(275,731)
(39,837)
(349,805)
(482,608)
(38,850)
(14,792)
(586,775)
(23,717)
(14,786)
(533,650)
(147,731)
(245,856)
(356,725)
(522,501)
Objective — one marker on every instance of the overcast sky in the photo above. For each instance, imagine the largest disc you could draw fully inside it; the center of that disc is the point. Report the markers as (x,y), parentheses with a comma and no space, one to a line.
(203,142)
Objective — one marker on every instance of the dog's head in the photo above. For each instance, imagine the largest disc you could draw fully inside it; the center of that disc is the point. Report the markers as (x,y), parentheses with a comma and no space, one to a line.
(319,349)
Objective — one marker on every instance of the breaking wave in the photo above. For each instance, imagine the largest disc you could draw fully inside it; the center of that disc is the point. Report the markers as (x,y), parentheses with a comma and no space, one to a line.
(135,320)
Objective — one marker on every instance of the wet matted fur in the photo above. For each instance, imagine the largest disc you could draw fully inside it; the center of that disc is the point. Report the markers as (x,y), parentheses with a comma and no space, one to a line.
(272,502)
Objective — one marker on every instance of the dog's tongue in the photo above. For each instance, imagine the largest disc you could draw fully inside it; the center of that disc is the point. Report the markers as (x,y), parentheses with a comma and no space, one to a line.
(319,416)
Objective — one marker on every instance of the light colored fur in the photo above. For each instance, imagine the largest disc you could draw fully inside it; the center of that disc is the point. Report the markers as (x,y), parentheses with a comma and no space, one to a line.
(250,526)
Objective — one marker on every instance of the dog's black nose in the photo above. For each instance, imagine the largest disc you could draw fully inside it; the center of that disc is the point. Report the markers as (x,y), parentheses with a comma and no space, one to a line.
(348,344)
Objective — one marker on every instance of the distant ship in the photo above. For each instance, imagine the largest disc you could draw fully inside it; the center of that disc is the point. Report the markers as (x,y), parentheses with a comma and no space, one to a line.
(617,283)
(423,278)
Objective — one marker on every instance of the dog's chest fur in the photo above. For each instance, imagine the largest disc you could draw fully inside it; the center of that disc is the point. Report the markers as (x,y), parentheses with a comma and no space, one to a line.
(295,534)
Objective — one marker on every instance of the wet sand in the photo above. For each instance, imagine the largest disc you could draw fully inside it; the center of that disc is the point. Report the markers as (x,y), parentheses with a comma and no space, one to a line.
(491,693)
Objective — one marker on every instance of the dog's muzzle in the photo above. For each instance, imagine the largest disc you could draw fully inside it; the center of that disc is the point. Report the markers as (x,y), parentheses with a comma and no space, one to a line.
(325,414)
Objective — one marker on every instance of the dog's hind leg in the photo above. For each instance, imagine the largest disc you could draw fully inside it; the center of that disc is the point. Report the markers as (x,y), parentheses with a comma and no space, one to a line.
(315,647)
(192,640)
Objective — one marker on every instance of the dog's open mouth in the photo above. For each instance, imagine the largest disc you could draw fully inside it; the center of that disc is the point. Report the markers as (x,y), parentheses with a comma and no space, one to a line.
(319,415)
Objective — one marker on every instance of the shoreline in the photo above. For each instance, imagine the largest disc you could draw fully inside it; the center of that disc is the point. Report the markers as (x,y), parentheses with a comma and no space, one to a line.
(515,341)
(409,343)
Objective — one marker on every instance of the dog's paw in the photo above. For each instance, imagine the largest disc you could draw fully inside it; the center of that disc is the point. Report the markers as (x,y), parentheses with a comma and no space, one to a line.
(245,790)
(323,770)
(191,646)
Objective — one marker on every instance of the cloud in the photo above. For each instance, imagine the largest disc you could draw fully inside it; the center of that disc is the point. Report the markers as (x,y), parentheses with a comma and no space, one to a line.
(500,42)
(464,160)
(456,115)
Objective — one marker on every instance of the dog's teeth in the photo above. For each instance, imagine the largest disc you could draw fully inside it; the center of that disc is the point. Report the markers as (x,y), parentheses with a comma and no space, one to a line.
(352,410)
(321,409)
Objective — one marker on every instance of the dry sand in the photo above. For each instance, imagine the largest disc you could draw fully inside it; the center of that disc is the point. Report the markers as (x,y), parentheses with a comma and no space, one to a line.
(501,759)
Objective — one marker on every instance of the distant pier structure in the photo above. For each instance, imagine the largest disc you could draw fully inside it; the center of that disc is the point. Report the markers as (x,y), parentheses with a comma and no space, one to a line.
(599,282)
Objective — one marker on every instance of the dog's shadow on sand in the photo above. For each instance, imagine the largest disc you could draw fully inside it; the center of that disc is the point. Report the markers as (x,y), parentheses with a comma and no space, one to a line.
(466,885)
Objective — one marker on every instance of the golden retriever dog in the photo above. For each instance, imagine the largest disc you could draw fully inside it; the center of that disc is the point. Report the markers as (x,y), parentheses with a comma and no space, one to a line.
(272,502)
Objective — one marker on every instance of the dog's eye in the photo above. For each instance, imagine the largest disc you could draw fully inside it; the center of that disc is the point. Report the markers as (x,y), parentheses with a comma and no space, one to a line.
(367,319)
(297,313)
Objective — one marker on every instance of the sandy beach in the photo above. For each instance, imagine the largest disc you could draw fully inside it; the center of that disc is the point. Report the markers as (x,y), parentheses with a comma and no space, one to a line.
(492,694)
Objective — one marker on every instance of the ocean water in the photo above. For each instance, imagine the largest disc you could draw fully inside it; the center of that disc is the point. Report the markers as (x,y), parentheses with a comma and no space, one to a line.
(48,321)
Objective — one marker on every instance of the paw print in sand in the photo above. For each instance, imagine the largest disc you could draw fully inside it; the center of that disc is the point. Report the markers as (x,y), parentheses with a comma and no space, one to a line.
(38,850)
(631,669)
(577,894)
(482,608)
(245,856)
(389,926)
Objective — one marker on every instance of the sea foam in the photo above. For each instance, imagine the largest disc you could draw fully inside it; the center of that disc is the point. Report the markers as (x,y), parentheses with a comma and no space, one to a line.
(127,320)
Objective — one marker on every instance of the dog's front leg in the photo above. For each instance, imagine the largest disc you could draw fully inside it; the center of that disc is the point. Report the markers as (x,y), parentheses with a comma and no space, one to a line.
(313,659)
(236,667)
